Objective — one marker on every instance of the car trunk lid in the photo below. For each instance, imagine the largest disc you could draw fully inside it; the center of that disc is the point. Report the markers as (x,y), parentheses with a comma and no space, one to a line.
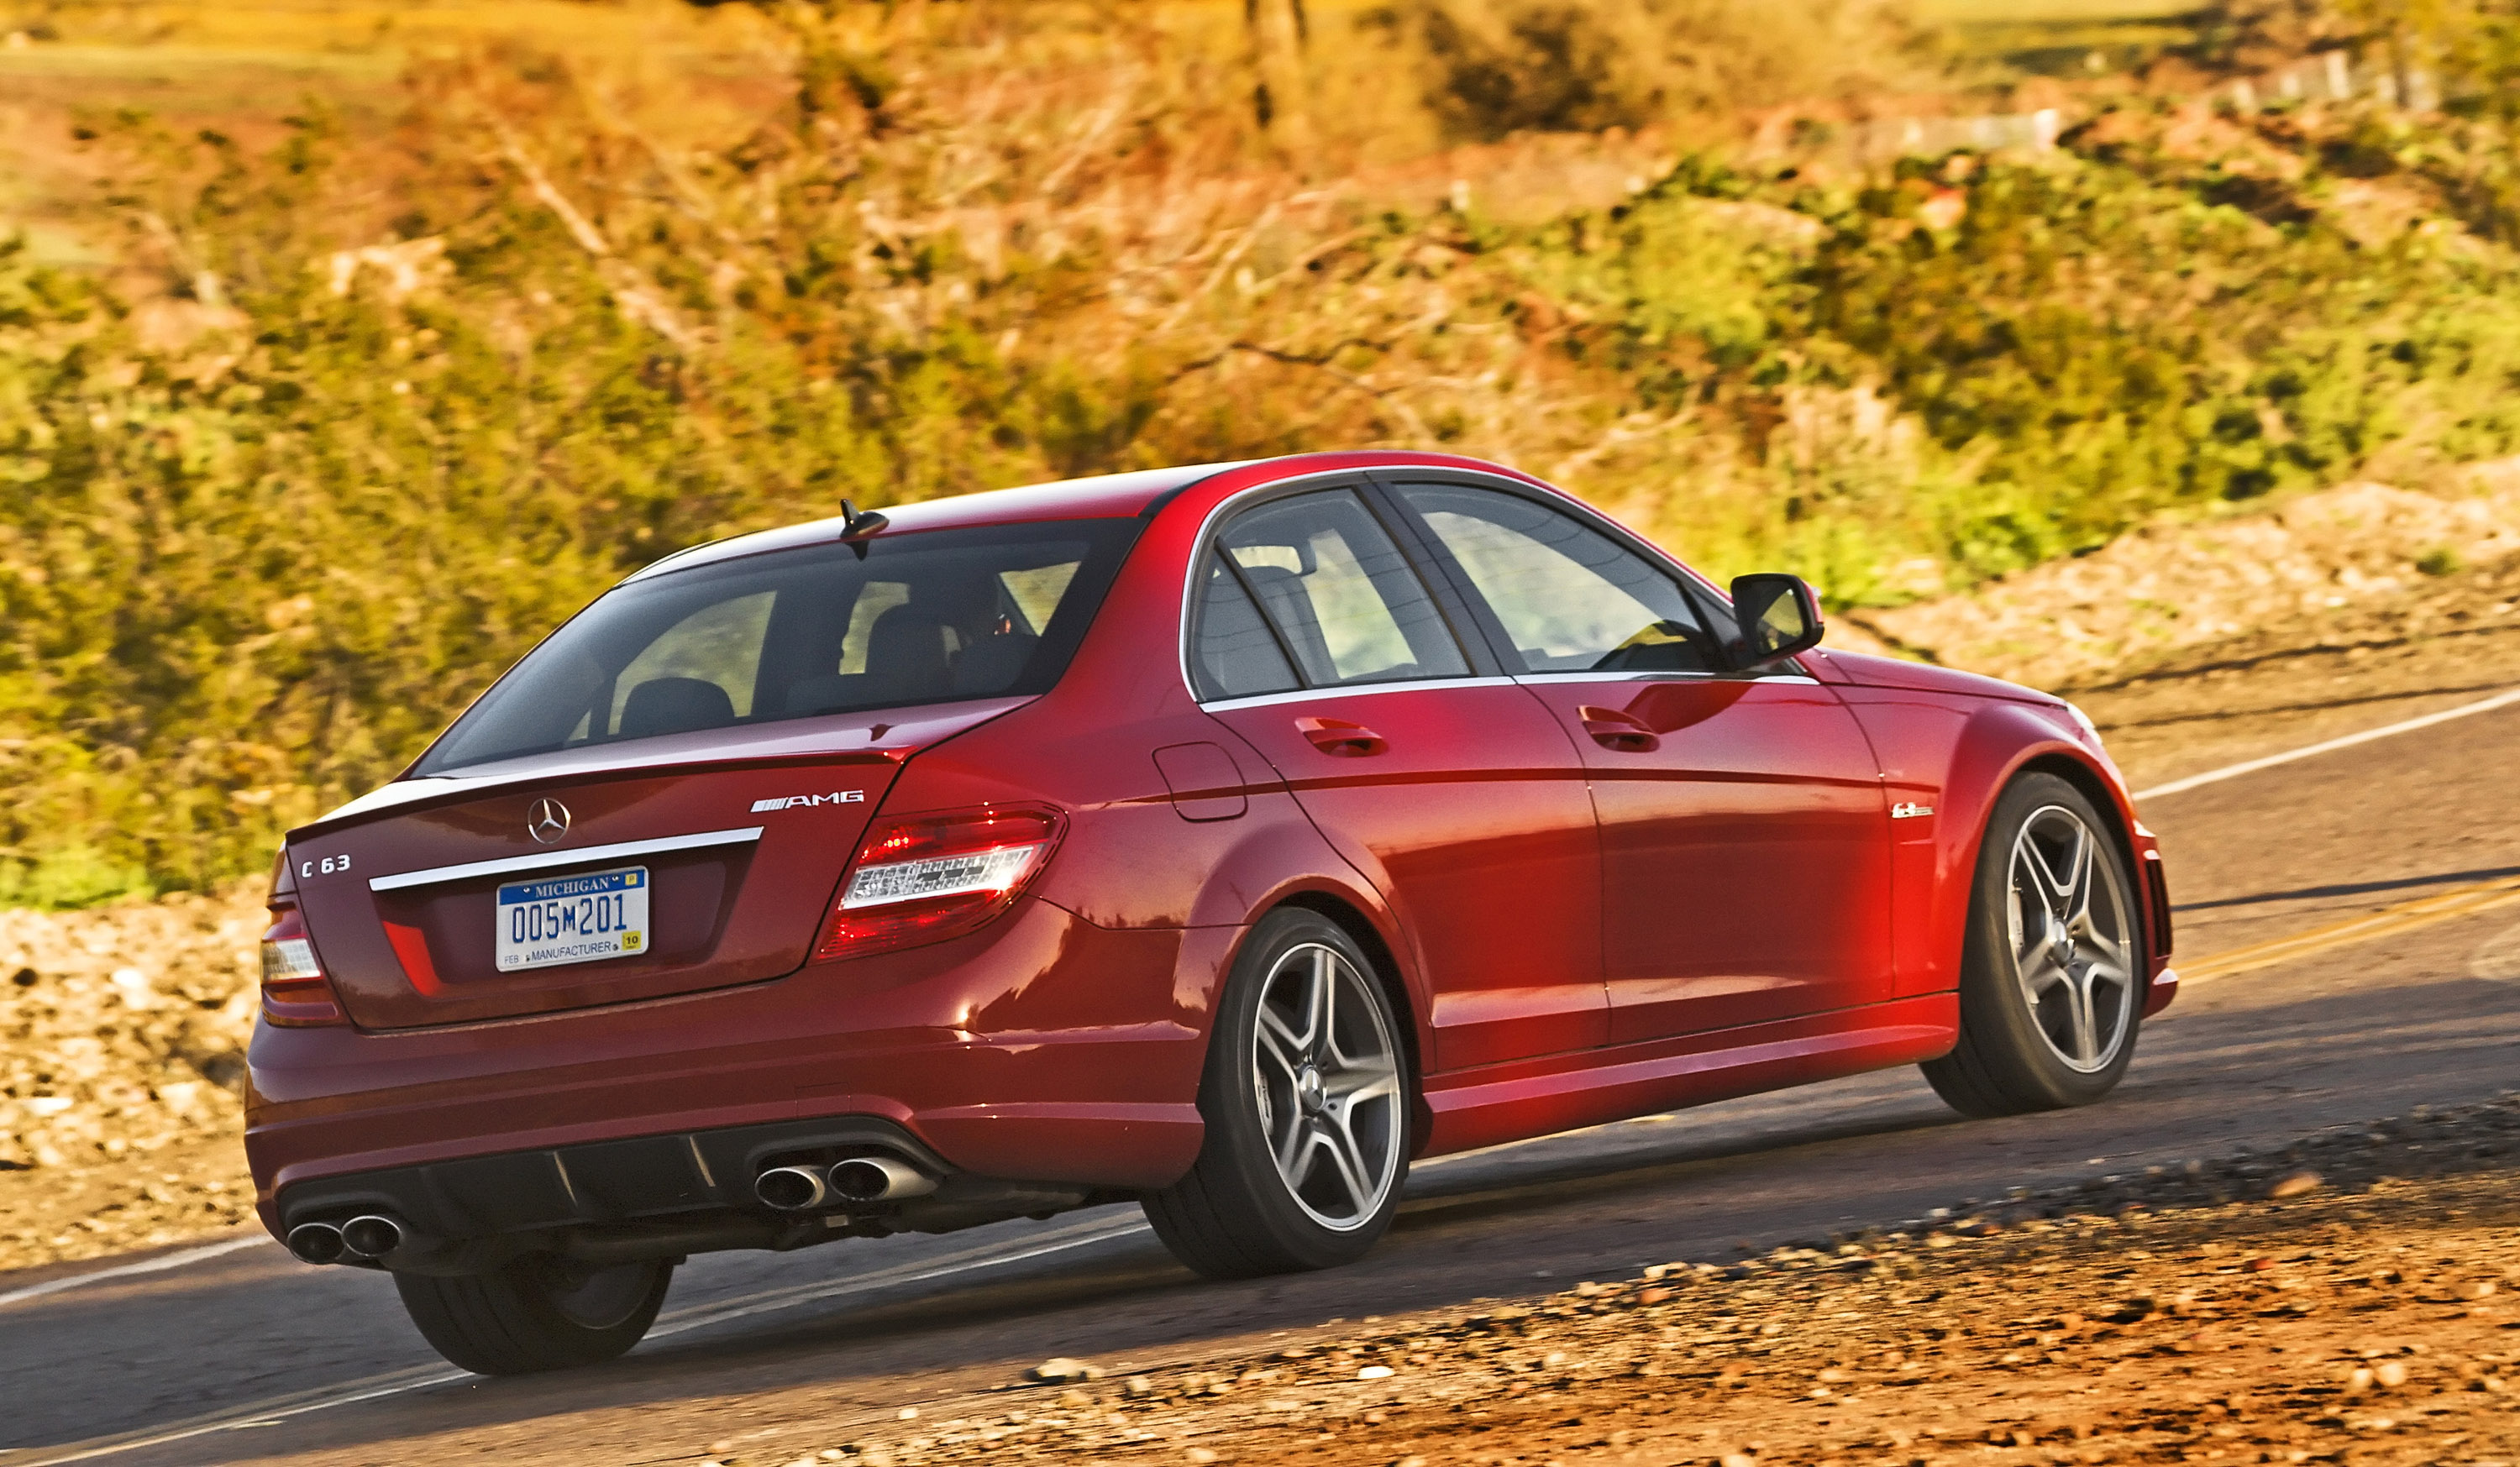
(737,841)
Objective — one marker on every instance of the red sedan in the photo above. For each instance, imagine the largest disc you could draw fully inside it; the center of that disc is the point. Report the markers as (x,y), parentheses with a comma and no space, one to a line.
(1217,839)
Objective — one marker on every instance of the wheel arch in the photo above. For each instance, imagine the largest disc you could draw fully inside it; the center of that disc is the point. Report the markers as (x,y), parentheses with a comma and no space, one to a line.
(2000,741)
(2096,787)
(2118,816)
(1361,930)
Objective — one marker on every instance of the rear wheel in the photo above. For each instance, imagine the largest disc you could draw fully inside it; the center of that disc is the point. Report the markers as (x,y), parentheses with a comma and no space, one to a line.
(535,1313)
(1306,1105)
(2052,978)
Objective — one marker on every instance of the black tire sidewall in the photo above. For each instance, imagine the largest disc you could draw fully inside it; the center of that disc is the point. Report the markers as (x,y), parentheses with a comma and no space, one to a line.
(1994,1011)
(1238,1145)
(506,1323)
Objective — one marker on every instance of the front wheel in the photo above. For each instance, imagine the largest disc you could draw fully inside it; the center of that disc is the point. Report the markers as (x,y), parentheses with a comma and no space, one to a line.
(535,1313)
(1306,1103)
(2052,974)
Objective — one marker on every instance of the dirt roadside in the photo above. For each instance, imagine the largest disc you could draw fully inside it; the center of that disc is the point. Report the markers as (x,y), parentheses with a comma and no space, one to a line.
(2348,1298)
(122,1033)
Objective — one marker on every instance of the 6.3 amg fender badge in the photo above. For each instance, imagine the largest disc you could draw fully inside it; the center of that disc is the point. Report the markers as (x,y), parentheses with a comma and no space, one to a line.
(546,819)
(1904,810)
(792,802)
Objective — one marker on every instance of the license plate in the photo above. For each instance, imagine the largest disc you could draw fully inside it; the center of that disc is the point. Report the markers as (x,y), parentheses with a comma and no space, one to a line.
(584,918)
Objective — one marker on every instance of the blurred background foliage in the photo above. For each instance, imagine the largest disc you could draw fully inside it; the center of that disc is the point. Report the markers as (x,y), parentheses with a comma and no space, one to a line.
(348,368)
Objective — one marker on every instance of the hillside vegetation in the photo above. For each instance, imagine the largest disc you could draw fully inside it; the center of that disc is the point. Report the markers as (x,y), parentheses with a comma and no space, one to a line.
(357,411)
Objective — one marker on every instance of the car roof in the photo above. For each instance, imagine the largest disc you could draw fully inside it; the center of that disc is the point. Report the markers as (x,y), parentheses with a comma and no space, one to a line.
(1109,496)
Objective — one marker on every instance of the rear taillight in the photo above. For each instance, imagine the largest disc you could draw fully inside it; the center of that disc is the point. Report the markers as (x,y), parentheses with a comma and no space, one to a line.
(294,990)
(922,878)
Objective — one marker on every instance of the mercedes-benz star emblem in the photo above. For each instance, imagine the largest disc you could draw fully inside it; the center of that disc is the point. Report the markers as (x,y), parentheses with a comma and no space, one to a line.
(547,819)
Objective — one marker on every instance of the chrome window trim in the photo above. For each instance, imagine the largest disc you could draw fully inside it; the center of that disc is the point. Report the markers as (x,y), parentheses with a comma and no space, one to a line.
(1351,691)
(546,860)
(1198,546)
(1666,676)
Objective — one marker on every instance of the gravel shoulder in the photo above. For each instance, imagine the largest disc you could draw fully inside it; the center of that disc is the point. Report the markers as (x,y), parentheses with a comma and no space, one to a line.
(2349,1298)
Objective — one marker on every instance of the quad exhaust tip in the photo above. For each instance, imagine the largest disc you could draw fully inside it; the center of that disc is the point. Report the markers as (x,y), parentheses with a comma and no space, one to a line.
(370,1236)
(317,1243)
(792,1188)
(880,1178)
(860,1178)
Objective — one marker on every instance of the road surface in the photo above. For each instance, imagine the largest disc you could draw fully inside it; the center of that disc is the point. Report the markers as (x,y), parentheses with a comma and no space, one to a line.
(251,1358)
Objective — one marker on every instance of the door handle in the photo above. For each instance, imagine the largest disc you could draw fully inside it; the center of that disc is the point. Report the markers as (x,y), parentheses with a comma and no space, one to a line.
(1619,731)
(1337,736)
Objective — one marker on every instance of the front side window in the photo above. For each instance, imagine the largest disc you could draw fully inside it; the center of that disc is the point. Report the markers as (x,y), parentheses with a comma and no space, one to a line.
(1569,598)
(888,622)
(1310,592)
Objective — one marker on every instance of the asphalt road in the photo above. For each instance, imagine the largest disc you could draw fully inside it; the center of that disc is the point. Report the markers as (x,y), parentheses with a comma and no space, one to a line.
(757,1348)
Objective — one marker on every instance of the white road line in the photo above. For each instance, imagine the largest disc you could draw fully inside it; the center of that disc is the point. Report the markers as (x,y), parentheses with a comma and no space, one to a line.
(2252,766)
(401,1383)
(159,1265)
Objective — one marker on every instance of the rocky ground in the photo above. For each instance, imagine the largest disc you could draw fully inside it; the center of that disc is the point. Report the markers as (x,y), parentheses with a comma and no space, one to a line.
(2171,589)
(2350,1299)
(122,1034)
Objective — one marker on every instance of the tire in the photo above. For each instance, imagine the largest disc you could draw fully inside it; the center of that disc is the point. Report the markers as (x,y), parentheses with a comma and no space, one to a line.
(1305,1061)
(535,1313)
(2053,971)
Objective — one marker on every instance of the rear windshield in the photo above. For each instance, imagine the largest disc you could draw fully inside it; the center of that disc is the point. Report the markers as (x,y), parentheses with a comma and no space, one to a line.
(888,622)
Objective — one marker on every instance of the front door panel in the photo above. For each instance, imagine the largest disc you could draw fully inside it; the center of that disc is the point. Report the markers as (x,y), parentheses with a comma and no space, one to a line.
(1744,849)
(1745,838)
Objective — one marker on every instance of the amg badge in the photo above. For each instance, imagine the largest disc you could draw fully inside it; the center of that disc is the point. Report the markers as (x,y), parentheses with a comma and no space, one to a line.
(792,802)
(1904,810)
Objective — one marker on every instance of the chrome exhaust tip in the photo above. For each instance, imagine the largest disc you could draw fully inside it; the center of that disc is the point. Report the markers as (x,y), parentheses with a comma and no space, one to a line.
(791,1188)
(370,1236)
(880,1178)
(316,1243)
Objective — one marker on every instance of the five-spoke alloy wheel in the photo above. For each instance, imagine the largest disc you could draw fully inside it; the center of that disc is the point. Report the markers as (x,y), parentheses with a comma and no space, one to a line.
(2066,926)
(1306,1101)
(2052,980)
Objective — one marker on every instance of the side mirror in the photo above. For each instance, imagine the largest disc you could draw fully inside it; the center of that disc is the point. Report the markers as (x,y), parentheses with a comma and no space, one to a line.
(1778,616)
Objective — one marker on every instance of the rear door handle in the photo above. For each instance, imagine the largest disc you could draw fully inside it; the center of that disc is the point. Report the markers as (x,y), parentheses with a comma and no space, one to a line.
(1338,736)
(1618,732)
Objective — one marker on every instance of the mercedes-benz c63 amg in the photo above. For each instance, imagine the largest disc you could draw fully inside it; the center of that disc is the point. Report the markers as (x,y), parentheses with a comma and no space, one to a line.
(1217,839)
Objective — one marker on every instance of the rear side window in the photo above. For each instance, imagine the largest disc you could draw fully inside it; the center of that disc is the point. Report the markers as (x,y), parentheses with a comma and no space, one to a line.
(1310,592)
(889,622)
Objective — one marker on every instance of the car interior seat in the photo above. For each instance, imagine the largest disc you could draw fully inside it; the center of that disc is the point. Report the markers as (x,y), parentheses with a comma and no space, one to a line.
(909,655)
(1290,606)
(675,705)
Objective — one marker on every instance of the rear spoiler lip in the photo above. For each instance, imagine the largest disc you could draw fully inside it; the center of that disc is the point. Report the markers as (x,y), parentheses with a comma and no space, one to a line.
(404,796)
(909,735)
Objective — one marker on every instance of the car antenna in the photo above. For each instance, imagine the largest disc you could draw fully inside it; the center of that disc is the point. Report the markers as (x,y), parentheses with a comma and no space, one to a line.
(855,521)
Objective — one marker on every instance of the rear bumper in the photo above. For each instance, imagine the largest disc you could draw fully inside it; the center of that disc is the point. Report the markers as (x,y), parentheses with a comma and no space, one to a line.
(1043,1048)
